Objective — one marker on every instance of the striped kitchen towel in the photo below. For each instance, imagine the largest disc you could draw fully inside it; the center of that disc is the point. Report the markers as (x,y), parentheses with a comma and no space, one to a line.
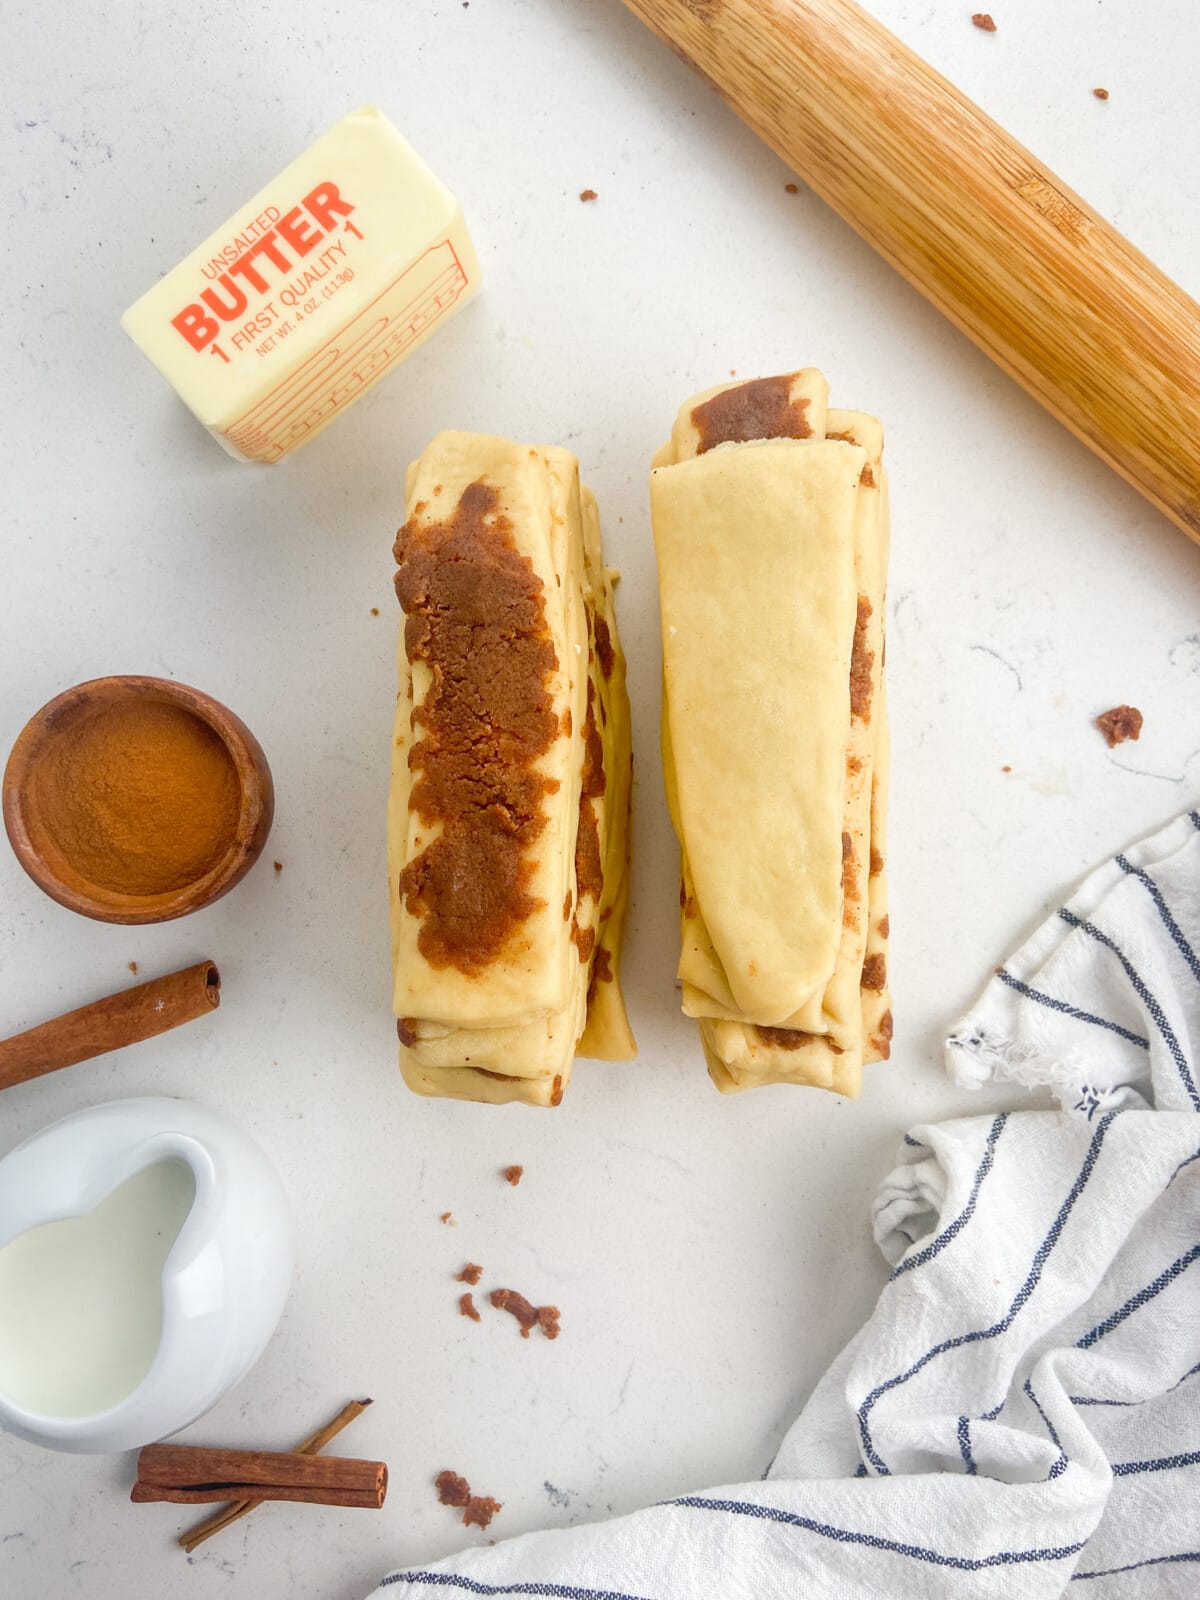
(1020,1417)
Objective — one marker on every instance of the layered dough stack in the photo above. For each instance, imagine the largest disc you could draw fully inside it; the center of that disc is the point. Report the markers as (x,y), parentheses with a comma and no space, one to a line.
(508,821)
(771,531)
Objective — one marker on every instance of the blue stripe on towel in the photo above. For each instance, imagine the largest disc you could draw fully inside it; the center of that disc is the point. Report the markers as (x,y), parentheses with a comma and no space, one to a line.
(964,1445)
(1151,1561)
(1138,1300)
(875,1541)
(1023,1294)
(1186,1162)
(1144,995)
(1061,1464)
(967,1212)
(1087,1400)
(1068,1010)
(553,1591)
(1127,1469)
(1172,927)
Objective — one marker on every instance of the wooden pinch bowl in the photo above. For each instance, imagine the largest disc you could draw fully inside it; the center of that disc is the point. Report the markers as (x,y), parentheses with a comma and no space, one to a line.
(40,751)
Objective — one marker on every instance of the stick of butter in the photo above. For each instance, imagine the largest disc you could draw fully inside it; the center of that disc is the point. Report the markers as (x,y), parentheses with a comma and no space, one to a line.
(328,278)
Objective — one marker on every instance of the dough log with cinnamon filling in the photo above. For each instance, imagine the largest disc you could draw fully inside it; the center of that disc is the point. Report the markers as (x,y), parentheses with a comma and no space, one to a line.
(508,817)
(771,532)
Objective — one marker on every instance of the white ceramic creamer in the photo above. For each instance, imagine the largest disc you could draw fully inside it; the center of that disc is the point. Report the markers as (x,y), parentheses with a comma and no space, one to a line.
(145,1257)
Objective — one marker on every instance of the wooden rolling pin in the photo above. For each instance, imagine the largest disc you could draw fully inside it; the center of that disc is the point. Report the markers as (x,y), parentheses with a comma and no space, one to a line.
(1022,265)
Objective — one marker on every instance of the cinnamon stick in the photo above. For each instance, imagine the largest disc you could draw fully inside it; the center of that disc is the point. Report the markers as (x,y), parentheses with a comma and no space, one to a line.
(142,1012)
(187,1475)
(311,1446)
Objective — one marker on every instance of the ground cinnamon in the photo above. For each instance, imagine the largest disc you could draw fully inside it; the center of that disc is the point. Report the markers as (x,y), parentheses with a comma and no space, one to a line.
(140,797)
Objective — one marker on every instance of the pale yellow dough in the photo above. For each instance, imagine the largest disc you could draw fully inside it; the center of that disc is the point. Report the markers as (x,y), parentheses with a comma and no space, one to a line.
(769,552)
(511,1032)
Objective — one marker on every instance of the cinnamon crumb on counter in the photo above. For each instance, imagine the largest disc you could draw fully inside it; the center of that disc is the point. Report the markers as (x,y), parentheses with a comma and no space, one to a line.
(792,188)
(1005,769)
(514,1175)
(1101,94)
(374,611)
(467,1307)
(984,20)
(471,1274)
(278,865)
(588,194)
(529,1316)
(448,1218)
(452,1490)
(477,1509)
(1119,724)
(133,968)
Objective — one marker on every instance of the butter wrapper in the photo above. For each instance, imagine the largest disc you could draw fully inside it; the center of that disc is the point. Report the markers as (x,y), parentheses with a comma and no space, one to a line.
(328,278)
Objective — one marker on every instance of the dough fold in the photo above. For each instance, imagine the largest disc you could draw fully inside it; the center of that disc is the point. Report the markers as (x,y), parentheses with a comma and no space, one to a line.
(771,534)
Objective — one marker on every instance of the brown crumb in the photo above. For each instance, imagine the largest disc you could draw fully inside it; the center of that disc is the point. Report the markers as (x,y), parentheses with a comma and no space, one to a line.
(466,1307)
(374,611)
(1005,769)
(1119,724)
(133,968)
(529,1316)
(792,188)
(452,1490)
(448,1218)
(278,865)
(588,194)
(471,1274)
(514,1175)
(1101,94)
(983,20)
(477,1509)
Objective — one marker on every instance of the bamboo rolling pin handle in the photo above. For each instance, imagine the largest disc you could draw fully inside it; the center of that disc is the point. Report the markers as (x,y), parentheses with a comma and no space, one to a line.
(1041,282)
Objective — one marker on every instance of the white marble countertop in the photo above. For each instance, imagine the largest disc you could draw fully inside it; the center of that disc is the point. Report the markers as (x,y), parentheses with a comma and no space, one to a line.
(709,1255)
